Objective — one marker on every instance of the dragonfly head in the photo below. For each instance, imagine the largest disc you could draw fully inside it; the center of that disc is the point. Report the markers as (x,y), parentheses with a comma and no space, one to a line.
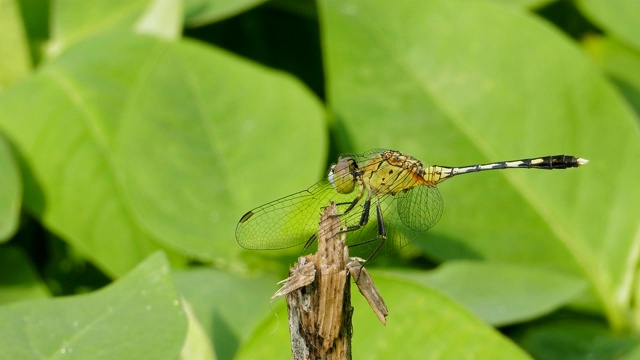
(342,175)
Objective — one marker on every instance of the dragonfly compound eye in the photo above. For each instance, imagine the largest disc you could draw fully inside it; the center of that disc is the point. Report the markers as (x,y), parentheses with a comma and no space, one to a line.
(342,175)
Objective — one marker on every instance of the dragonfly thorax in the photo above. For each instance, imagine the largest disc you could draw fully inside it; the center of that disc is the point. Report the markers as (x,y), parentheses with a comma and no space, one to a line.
(392,172)
(343,175)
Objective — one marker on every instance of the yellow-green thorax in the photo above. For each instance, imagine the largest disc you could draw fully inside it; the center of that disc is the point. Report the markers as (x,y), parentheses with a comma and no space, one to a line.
(392,172)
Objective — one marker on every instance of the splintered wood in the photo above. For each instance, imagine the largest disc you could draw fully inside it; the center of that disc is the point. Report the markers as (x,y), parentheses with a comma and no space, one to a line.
(368,289)
(318,296)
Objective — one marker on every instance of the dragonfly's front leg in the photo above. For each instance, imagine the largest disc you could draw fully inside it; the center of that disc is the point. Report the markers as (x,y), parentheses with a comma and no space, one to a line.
(364,220)
(364,217)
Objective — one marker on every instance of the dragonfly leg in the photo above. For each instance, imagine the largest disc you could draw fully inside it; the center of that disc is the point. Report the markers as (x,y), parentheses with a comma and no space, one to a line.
(382,231)
(364,218)
(312,238)
(382,236)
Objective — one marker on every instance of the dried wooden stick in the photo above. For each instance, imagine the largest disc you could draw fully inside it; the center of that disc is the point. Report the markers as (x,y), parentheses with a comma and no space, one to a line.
(319,297)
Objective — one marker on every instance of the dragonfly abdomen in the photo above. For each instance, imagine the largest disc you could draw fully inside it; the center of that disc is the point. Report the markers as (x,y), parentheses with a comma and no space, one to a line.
(437,173)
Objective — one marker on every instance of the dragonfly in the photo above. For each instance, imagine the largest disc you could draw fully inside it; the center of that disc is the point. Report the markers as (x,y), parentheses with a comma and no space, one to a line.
(385,200)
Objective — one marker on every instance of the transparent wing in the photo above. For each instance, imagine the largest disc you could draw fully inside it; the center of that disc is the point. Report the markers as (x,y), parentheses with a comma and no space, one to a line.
(288,221)
(420,208)
(293,220)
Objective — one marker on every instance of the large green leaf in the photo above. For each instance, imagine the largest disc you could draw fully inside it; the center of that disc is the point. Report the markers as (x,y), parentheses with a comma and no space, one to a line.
(502,294)
(10,192)
(217,127)
(463,82)
(131,140)
(422,324)
(619,18)
(69,183)
(139,317)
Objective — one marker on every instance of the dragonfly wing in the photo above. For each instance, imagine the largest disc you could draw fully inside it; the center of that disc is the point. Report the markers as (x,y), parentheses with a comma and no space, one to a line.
(420,208)
(288,221)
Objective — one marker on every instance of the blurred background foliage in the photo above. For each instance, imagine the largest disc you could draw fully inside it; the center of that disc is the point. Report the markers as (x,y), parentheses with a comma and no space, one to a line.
(134,134)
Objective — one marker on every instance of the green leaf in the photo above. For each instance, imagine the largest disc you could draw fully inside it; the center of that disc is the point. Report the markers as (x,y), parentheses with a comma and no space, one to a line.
(132,140)
(19,279)
(14,48)
(422,324)
(10,192)
(69,183)
(138,317)
(621,64)
(210,142)
(226,305)
(501,294)
(466,82)
(202,12)
(620,19)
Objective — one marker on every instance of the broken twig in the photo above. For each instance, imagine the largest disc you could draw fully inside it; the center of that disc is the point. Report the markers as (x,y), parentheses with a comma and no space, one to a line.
(319,298)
